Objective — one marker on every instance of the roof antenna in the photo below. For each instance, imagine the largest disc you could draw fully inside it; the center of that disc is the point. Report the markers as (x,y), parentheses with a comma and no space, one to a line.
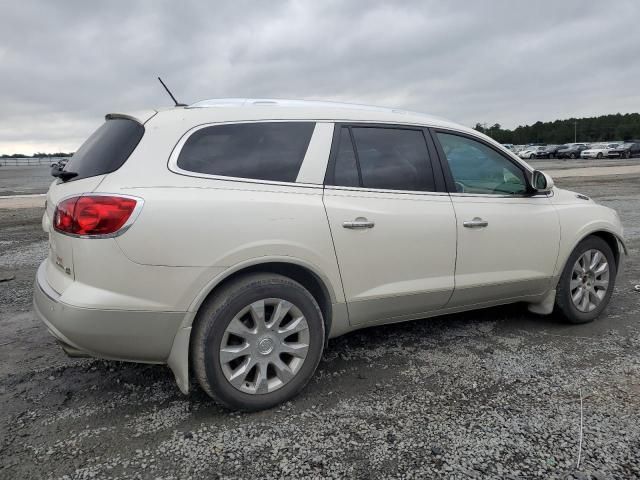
(178,104)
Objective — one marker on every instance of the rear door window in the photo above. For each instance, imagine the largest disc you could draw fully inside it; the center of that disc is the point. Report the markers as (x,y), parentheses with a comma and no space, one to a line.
(262,151)
(383,158)
(106,149)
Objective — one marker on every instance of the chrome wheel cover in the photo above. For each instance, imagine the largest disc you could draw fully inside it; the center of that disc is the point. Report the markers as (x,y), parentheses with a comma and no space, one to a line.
(264,346)
(589,280)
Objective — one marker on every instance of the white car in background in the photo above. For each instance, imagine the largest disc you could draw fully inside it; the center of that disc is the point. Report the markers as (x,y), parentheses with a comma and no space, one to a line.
(599,150)
(231,239)
(530,152)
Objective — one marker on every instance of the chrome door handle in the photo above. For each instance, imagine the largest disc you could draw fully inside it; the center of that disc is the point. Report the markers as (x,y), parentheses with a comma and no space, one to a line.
(359,223)
(477,222)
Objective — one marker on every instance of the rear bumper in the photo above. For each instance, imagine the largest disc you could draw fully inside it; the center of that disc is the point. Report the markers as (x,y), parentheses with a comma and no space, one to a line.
(138,336)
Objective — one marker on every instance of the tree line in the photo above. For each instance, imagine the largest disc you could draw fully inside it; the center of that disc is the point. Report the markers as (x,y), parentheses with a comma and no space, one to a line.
(590,129)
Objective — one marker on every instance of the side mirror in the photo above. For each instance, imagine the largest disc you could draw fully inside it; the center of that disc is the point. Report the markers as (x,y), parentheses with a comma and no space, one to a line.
(542,182)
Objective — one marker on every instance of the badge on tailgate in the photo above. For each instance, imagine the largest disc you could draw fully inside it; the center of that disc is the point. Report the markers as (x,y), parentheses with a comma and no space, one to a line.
(60,263)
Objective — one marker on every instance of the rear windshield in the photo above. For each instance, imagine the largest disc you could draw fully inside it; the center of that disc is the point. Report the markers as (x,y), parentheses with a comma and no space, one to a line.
(106,149)
(262,151)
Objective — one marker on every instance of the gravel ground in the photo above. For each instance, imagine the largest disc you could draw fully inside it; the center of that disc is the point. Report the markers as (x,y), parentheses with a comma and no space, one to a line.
(488,394)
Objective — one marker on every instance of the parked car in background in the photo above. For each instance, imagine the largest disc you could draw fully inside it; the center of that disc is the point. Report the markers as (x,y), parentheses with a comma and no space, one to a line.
(508,146)
(549,151)
(625,150)
(572,150)
(599,150)
(60,163)
(231,239)
(530,152)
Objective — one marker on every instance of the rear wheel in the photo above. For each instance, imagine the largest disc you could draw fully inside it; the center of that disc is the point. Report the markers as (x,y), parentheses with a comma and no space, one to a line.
(599,156)
(572,156)
(257,342)
(587,281)
(627,154)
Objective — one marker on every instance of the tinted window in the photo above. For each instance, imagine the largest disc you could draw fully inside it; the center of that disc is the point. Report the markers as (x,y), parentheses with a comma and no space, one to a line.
(346,169)
(387,158)
(106,149)
(477,168)
(394,159)
(262,151)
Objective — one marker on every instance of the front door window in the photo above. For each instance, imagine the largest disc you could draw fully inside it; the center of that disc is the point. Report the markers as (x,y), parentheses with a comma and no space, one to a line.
(477,168)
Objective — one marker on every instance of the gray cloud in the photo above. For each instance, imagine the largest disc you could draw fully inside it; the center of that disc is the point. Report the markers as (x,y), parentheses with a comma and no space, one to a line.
(64,65)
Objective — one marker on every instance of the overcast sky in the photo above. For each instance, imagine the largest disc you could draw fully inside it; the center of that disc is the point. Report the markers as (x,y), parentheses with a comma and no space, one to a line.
(63,65)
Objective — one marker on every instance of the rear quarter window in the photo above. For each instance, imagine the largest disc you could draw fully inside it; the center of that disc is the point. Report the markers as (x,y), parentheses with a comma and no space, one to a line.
(262,151)
(106,149)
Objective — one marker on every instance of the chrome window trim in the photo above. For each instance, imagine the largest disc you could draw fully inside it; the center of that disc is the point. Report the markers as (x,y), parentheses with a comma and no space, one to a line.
(127,225)
(496,195)
(172,163)
(384,190)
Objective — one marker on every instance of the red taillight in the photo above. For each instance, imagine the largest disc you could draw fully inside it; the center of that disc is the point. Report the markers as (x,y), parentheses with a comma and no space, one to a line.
(93,214)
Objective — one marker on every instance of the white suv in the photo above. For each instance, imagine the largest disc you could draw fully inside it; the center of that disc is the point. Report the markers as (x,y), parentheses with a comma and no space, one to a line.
(233,238)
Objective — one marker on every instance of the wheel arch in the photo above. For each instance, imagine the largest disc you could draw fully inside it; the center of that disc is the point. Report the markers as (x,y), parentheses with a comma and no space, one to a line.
(614,241)
(302,272)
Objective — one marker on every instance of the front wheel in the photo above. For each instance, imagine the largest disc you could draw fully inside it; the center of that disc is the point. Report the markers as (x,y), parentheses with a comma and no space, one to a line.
(627,154)
(587,281)
(572,156)
(599,156)
(257,342)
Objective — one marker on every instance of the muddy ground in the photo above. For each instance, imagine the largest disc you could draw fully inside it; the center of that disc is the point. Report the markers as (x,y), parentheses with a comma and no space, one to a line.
(488,394)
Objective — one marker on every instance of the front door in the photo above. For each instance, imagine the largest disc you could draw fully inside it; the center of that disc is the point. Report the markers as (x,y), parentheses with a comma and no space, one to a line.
(508,239)
(394,236)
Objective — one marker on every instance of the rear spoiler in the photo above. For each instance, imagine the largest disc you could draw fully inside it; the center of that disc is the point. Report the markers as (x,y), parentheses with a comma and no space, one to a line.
(141,117)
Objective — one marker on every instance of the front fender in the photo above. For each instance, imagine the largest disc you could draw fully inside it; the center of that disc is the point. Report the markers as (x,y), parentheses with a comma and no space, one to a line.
(578,221)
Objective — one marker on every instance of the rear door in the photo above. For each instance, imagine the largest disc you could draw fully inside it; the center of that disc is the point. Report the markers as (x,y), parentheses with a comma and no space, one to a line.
(508,239)
(394,232)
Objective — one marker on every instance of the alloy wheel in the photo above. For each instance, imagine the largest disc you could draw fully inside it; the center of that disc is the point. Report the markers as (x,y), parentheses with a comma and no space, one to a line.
(589,280)
(264,346)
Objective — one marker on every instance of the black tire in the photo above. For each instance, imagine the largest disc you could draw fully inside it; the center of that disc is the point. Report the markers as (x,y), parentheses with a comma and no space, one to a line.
(212,320)
(572,156)
(564,304)
(599,156)
(627,154)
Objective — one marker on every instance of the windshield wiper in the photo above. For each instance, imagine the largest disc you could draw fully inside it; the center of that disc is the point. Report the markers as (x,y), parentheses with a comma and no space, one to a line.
(63,175)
